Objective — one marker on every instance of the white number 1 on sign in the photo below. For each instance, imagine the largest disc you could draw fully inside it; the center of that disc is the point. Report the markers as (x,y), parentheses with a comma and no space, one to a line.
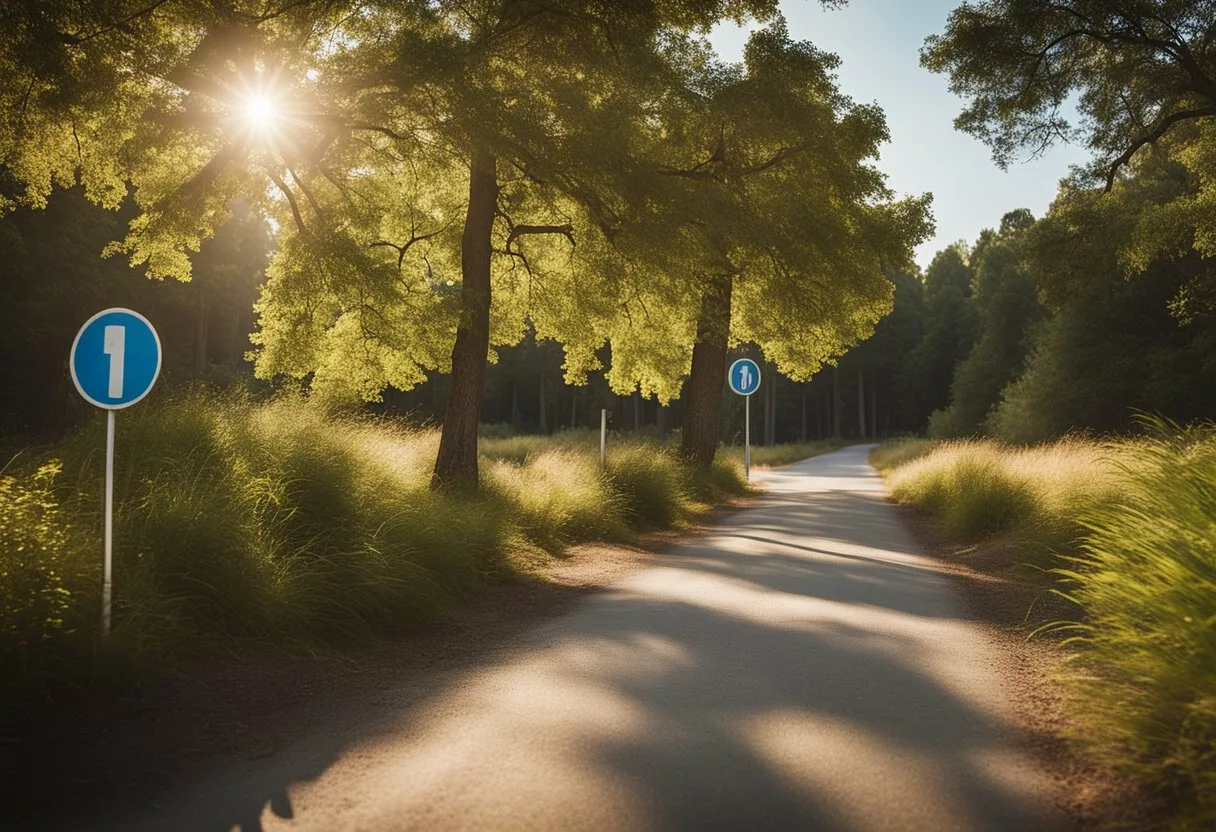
(114,344)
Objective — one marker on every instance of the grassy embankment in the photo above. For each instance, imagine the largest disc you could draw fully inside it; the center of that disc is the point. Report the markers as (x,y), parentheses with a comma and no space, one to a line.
(244,523)
(1128,531)
(731,457)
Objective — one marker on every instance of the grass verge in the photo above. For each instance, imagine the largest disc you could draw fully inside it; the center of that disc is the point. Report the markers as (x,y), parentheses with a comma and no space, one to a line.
(774,456)
(1127,530)
(238,522)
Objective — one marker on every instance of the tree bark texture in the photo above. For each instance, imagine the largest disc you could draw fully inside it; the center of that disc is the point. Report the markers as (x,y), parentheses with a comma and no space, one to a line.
(703,391)
(457,461)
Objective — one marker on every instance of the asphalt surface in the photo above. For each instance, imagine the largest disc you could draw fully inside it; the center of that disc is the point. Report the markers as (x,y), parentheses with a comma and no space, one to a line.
(802,667)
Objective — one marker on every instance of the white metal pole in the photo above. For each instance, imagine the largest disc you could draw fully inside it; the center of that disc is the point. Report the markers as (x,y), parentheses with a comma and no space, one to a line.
(747,438)
(603,437)
(106,586)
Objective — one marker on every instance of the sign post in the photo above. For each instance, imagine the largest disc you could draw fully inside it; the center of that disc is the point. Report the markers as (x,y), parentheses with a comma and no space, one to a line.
(115,360)
(603,437)
(744,379)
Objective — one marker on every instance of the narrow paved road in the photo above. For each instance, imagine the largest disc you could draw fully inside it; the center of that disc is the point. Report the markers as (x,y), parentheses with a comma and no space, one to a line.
(801,668)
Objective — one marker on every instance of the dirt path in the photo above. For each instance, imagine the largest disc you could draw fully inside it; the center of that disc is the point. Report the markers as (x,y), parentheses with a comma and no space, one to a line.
(803,666)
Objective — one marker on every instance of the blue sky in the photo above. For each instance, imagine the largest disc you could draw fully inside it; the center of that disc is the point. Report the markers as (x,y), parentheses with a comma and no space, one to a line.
(878,42)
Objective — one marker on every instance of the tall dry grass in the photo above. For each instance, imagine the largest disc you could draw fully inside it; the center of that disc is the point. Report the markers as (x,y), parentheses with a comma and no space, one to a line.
(980,488)
(278,523)
(774,456)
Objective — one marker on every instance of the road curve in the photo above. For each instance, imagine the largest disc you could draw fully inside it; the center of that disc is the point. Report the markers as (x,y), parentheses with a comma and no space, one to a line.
(801,667)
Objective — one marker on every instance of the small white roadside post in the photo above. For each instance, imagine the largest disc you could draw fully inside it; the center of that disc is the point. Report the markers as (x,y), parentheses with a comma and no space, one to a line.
(603,437)
(744,379)
(115,360)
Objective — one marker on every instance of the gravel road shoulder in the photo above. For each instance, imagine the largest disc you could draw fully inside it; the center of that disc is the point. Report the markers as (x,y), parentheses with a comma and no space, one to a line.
(1009,610)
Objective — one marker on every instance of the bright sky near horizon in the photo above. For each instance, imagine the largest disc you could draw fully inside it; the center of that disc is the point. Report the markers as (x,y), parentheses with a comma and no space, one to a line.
(879,42)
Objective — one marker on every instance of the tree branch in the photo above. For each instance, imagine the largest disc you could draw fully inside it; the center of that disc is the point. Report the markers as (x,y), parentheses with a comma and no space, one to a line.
(312,200)
(284,9)
(1152,136)
(74,40)
(518,231)
(402,249)
(776,159)
(291,201)
(698,172)
(376,128)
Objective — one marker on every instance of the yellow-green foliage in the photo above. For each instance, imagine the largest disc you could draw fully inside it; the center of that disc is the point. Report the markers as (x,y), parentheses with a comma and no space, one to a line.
(1131,527)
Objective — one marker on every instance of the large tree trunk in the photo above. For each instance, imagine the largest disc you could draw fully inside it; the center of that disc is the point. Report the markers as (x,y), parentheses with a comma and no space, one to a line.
(457,461)
(703,391)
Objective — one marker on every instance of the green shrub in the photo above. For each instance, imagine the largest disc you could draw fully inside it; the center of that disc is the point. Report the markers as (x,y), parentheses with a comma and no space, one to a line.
(943,424)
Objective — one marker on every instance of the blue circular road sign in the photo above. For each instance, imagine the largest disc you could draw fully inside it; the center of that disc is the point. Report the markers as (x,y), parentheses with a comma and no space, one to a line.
(744,376)
(115,358)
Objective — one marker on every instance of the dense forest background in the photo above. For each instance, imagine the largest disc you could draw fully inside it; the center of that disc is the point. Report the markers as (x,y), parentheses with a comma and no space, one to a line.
(1037,328)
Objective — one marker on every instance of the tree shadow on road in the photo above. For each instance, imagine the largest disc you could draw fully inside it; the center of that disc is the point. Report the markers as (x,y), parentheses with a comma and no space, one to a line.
(762,678)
